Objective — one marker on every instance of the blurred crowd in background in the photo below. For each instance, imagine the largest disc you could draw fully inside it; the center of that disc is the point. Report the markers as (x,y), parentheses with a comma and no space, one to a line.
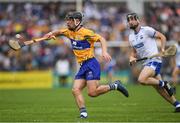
(33,20)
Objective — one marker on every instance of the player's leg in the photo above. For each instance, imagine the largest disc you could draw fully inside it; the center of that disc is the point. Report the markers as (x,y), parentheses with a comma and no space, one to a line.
(92,76)
(78,86)
(94,89)
(147,74)
(175,75)
(166,96)
(63,80)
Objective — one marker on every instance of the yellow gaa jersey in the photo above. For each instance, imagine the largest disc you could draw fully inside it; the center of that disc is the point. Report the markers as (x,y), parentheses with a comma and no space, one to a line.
(82,42)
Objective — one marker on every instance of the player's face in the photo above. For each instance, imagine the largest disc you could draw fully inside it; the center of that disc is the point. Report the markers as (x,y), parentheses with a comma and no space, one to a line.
(70,24)
(133,23)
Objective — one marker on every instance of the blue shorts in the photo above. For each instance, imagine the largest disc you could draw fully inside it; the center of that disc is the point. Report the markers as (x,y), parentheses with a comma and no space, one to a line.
(89,70)
(156,66)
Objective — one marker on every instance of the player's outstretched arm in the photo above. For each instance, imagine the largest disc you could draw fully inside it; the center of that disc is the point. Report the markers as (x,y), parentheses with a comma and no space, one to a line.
(21,42)
(132,56)
(162,38)
(52,34)
(105,54)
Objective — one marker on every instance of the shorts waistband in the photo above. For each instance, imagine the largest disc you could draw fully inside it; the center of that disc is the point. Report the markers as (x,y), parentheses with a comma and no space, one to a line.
(86,61)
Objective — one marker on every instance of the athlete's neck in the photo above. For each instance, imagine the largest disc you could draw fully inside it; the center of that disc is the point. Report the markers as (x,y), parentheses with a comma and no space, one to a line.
(137,29)
(79,27)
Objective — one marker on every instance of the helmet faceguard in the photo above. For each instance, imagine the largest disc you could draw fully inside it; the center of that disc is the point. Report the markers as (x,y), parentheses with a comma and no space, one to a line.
(131,16)
(74,16)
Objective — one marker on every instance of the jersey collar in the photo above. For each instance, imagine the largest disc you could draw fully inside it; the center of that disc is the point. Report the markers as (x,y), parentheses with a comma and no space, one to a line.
(138,30)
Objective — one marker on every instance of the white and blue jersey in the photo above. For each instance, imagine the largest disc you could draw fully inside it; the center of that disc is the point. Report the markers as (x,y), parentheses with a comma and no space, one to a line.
(178,56)
(145,45)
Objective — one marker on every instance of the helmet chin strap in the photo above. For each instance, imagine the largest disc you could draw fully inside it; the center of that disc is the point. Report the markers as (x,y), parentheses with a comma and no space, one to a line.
(76,24)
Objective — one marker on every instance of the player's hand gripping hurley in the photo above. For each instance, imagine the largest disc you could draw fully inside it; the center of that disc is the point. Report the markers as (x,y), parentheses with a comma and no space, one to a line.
(171,51)
(16,44)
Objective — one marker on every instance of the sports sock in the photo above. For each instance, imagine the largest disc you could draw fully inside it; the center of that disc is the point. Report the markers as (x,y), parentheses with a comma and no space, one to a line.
(83,112)
(161,83)
(113,86)
(176,104)
(83,109)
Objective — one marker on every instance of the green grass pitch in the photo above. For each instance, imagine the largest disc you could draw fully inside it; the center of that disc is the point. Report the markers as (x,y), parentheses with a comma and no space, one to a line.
(57,105)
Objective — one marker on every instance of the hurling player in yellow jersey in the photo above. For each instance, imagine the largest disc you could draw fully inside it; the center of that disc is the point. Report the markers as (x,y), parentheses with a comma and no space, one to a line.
(82,41)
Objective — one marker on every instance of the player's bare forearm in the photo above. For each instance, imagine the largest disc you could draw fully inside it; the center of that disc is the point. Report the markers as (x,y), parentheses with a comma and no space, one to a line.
(103,44)
(162,38)
(105,54)
(132,56)
(52,34)
(56,33)
(132,53)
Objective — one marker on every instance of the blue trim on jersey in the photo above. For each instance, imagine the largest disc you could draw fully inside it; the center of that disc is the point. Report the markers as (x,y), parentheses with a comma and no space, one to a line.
(139,45)
(89,70)
(80,45)
(156,66)
(178,66)
(137,31)
(154,33)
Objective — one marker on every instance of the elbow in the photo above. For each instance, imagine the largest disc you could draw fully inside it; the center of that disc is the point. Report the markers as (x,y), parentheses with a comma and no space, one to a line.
(162,38)
(102,40)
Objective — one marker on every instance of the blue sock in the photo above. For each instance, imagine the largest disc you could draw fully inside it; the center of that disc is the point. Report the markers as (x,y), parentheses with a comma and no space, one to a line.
(161,83)
(176,104)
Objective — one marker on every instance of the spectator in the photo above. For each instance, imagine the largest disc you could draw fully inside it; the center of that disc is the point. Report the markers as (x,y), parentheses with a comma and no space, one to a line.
(62,69)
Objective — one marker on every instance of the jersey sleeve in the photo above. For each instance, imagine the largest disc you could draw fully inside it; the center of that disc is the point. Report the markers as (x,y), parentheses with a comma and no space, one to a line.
(64,32)
(91,36)
(150,31)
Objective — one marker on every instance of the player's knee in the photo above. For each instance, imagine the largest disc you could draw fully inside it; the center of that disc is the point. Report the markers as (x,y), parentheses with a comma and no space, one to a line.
(142,81)
(92,94)
(76,91)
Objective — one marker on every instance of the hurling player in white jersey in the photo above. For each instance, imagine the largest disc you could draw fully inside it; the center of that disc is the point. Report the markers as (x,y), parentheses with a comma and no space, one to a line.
(176,71)
(142,39)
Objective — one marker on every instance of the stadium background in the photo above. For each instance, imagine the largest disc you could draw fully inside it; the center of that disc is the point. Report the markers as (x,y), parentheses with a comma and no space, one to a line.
(35,18)
(34,66)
